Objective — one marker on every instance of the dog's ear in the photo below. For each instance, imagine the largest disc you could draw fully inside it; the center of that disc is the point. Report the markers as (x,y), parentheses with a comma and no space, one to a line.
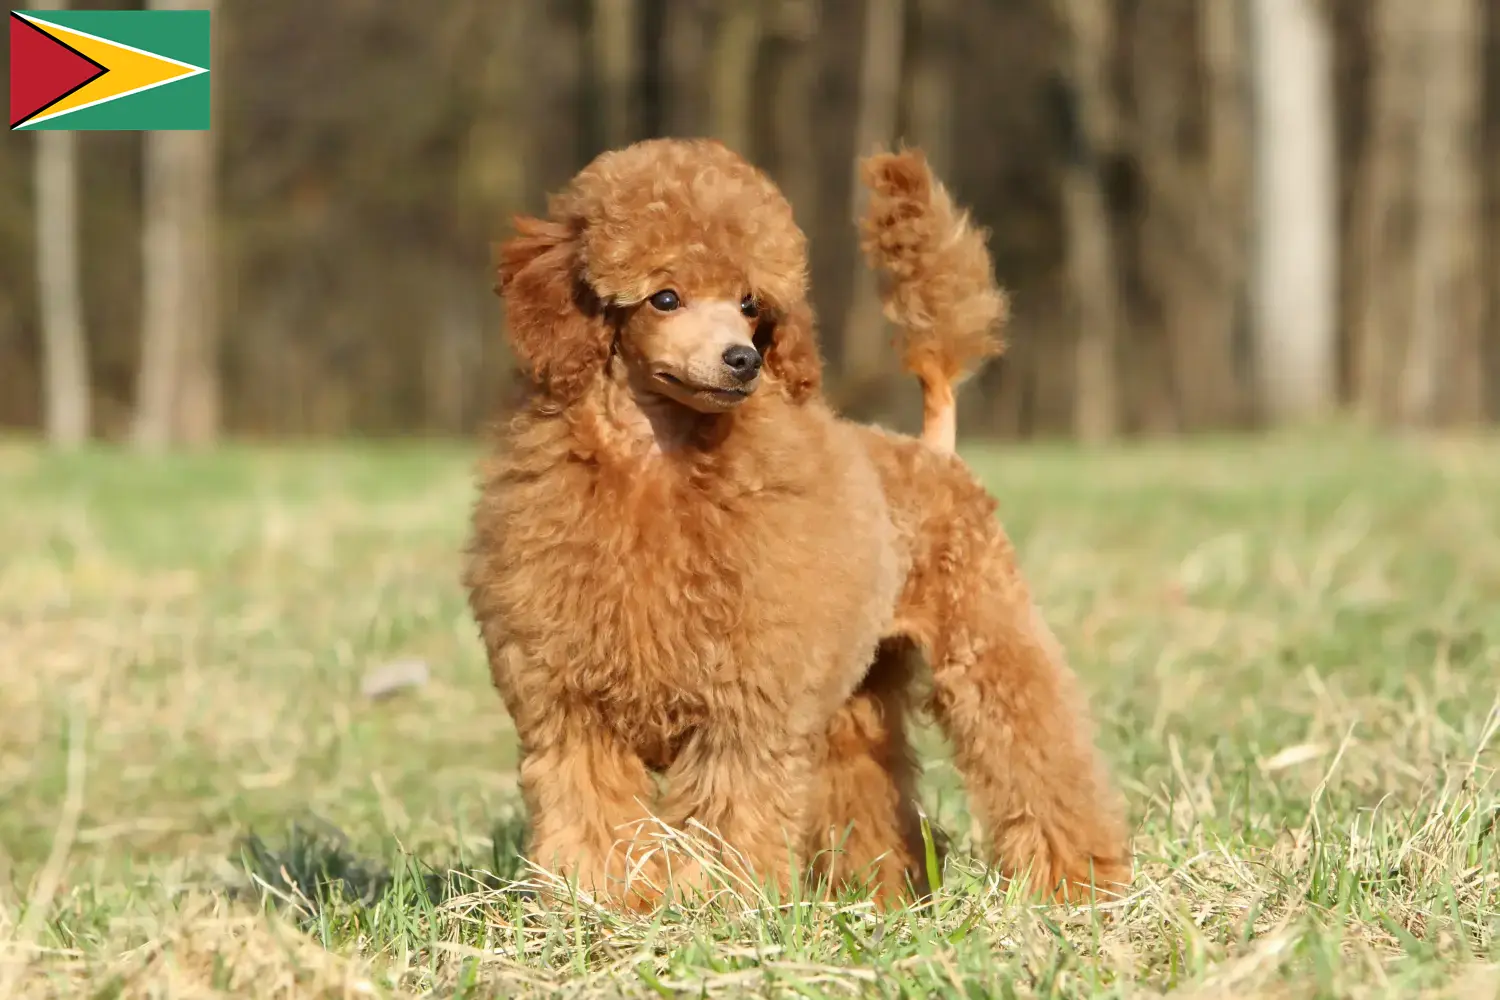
(792,354)
(557,326)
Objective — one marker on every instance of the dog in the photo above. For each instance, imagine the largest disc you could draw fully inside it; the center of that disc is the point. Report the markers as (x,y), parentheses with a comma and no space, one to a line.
(684,566)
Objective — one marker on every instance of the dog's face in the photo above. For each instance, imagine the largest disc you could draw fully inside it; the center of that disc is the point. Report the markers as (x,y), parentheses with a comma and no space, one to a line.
(696,343)
(680,258)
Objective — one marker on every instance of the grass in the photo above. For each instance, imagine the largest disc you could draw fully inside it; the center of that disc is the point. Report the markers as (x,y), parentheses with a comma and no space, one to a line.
(1292,647)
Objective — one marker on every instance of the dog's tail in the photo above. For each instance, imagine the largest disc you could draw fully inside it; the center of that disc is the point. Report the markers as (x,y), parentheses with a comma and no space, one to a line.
(938,286)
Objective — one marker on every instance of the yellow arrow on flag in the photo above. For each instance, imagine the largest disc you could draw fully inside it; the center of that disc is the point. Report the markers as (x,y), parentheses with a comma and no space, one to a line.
(129,70)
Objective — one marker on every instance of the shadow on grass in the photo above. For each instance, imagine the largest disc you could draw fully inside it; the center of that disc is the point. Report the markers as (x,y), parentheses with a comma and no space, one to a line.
(313,869)
(314,874)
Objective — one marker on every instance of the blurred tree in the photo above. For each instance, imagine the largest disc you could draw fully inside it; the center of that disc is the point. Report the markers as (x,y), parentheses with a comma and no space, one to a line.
(1490,171)
(1296,253)
(731,90)
(787,129)
(362,182)
(927,80)
(1184,150)
(1445,339)
(177,395)
(466,361)
(683,56)
(865,352)
(1210,375)
(614,46)
(1090,127)
(557,64)
(1417,325)
(59,297)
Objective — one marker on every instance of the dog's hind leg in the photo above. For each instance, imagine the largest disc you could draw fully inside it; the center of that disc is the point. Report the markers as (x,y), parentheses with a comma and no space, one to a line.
(1011,707)
(863,824)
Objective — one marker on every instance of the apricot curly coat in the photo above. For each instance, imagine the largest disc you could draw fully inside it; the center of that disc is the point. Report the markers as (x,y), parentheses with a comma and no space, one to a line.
(722,583)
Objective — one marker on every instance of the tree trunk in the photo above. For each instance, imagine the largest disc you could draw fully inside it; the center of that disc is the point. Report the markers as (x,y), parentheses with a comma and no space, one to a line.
(1187,138)
(158,377)
(732,74)
(1491,175)
(614,42)
(177,389)
(60,299)
(1380,227)
(1417,324)
(1092,276)
(927,84)
(1167,219)
(865,350)
(471,365)
(787,102)
(1446,299)
(1295,278)
(1209,376)
(64,351)
(556,143)
(684,52)
(198,413)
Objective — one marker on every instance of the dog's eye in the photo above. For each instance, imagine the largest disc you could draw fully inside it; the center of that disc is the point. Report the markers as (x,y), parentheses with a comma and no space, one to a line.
(749,308)
(665,300)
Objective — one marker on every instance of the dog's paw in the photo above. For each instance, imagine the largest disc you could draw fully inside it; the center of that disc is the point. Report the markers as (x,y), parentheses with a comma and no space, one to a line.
(1062,872)
(1092,880)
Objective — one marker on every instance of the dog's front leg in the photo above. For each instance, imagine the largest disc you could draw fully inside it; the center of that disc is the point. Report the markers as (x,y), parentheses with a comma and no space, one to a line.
(740,795)
(590,799)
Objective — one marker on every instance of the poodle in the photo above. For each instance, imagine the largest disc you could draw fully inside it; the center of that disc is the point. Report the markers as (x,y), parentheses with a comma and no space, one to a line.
(687,570)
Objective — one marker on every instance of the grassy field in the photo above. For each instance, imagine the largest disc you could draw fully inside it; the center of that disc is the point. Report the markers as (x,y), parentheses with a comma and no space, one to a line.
(1293,649)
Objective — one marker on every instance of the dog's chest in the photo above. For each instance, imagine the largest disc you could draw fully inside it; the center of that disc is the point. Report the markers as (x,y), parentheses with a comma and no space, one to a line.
(658,608)
(646,612)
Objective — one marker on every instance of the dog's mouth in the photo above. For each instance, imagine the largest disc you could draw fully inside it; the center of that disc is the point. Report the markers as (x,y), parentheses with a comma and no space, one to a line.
(715,396)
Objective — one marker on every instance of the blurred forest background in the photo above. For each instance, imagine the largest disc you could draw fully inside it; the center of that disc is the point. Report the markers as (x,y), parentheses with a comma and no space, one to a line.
(1211,213)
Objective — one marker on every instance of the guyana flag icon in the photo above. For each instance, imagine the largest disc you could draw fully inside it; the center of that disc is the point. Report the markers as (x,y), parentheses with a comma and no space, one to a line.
(118,70)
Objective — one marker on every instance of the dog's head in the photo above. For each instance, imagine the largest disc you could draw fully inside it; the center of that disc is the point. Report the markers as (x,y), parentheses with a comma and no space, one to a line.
(680,258)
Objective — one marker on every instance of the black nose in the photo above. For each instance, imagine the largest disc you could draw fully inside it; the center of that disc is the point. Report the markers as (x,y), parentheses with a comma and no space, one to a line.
(743,361)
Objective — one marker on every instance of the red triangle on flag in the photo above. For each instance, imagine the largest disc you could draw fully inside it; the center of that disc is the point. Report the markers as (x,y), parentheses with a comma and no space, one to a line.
(43,70)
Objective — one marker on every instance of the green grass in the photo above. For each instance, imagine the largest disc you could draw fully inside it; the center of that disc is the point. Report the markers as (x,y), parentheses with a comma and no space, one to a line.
(1292,649)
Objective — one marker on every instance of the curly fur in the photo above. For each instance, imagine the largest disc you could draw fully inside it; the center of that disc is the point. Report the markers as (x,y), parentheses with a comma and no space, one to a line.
(938,286)
(743,601)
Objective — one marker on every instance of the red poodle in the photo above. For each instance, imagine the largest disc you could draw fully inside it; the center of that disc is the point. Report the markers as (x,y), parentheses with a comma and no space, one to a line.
(685,565)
